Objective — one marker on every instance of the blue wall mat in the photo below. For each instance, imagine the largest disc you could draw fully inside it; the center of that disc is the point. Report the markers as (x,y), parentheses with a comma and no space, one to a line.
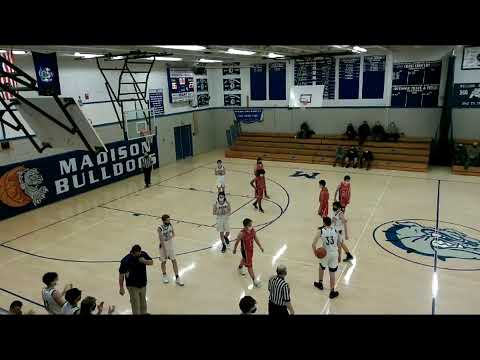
(32,184)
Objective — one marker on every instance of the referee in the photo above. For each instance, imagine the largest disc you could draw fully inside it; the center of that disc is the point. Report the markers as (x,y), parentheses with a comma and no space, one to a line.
(279,302)
(147,165)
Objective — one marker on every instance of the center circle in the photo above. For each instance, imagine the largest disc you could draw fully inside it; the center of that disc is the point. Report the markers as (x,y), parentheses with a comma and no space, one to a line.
(416,240)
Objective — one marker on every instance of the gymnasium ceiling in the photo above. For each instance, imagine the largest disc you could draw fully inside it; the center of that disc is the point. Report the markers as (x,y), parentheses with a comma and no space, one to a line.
(217,52)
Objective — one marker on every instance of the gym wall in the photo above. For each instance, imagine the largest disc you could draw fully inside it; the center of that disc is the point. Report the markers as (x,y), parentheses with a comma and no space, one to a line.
(465,121)
(78,78)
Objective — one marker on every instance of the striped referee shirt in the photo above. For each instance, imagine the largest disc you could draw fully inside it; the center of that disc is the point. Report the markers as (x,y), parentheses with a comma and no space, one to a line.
(279,291)
(146,162)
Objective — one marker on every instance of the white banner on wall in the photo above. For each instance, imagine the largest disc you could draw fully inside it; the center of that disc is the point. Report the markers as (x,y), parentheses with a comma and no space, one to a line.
(306,96)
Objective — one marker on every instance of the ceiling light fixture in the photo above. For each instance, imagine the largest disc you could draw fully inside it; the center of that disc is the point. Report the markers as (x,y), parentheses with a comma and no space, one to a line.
(209,61)
(117,58)
(359,49)
(274,56)
(87,56)
(239,52)
(167,58)
(3,51)
(183,47)
(19,52)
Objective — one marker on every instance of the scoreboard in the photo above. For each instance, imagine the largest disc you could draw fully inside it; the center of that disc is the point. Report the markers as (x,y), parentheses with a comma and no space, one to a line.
(181,86)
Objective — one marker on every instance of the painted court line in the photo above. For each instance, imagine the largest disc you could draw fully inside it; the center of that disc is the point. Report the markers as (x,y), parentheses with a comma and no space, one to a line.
(367,223)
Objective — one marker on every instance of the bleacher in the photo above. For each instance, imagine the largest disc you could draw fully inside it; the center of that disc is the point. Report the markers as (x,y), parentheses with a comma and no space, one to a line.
(407,154)
(459,169)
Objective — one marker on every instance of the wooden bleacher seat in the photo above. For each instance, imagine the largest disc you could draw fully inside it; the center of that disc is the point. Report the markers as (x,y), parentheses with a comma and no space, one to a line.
(410,154)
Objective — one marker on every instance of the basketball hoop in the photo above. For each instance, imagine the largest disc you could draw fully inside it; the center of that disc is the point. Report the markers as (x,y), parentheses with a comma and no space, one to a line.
(305,99)
(144,132)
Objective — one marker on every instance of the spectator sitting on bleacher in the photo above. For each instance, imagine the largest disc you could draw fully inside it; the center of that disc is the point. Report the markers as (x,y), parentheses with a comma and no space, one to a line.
(365,159)
(351,157)
(16,308)
(378,132)
(392,132)
(473,156)
(460,155)
(339,156)
(350,133)
(305,132)
(363,132)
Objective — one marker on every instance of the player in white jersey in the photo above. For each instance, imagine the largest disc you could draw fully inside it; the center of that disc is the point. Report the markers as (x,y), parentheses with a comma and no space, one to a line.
(73,297)
(329,238)
(52,298)
(166,235)
(222,210)
(340,224)
(220,173)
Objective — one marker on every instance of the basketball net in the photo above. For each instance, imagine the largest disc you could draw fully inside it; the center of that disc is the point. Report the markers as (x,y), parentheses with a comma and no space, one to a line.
(304,104)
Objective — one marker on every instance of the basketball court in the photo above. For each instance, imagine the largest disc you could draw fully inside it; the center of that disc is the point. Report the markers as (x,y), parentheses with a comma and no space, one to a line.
(83,239)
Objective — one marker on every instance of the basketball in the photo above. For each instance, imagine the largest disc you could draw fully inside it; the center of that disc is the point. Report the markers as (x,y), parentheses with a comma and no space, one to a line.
(321,253)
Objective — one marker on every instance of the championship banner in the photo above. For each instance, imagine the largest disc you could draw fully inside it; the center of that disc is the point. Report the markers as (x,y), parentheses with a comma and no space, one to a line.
(155,98)
(46,70)
(232,100)
(35,183)
(203,100)
(232,84)
(466,95)
(249,116)
(231,68)
(202,85)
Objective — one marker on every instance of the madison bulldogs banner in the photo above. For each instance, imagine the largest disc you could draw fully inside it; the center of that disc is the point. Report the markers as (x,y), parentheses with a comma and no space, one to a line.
(31,184)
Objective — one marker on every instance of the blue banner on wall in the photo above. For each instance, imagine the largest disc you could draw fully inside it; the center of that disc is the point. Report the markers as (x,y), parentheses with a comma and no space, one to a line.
(232,84)
(416,84)
(202,85)
(155,98)
(349,78)
(203,100)
(373,77)
(466,95)
(231,68)
(46,70)
(325,75)
(277,81)
(232,100)
(303,72)
(249,116)
(35,183)
(258,82)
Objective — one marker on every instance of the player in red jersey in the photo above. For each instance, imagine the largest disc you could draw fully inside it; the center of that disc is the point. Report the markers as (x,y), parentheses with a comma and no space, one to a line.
(343,192)
(259,185)
(246,237)
(323,199)
(259,166)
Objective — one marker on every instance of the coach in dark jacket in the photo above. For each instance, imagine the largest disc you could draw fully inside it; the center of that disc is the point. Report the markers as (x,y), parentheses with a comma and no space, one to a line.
(133,269)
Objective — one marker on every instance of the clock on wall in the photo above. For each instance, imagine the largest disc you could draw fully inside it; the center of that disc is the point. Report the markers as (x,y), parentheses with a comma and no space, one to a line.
(471,58)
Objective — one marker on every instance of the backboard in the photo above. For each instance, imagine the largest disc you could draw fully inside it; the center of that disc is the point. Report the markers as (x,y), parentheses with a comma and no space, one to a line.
(72,130)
